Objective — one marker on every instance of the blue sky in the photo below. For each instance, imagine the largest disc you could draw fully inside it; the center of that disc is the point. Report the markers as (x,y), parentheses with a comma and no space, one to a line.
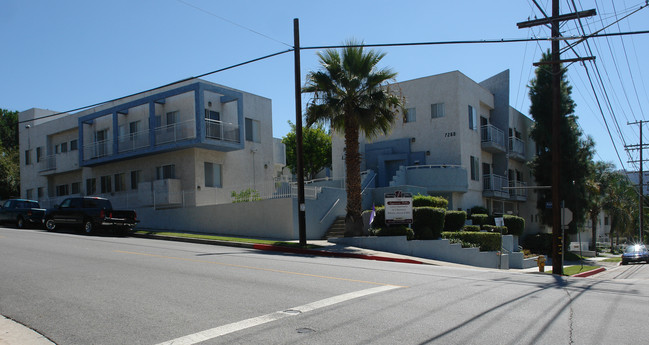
(67,54)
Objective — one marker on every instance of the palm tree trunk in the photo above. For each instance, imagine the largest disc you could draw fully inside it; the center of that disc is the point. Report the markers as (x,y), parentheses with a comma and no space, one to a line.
(353,219)
(593,220)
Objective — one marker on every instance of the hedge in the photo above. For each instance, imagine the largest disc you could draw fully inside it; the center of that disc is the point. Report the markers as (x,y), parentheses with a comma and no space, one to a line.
(481,219)
(379,217)
(430,201)
(540,243)
(516,225)
(488,241)
(395,230)
(479,210)
(428,222)
(473,228)
(454,220)
(492,228)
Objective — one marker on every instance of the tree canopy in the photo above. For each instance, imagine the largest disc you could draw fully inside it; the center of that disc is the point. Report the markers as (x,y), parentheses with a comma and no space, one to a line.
(316,147)
(9,157)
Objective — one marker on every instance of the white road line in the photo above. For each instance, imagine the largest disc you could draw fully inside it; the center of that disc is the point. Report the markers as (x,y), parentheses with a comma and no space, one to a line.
(260,320)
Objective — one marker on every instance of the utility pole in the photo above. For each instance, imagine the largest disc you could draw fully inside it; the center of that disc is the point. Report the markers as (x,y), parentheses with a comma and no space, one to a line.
(298,135)
(641,148)
(555,20)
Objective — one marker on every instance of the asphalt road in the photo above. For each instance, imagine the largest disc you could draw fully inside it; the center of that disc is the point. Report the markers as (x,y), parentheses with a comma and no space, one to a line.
(78,289)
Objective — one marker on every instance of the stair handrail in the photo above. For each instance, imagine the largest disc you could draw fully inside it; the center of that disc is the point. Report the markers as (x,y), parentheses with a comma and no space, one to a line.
(368,183)
(330,209)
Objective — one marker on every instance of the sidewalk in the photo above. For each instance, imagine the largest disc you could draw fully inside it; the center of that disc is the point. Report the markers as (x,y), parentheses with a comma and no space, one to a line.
(13,333)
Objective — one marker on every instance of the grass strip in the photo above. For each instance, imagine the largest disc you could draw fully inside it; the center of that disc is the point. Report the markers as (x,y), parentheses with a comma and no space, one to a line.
(229,239)
(576,269)
(616,259)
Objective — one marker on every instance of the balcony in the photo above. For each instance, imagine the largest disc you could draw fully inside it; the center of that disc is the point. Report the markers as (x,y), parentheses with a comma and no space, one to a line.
(98,149)
(47,164)
(220,130)
(175,132)
(518,191)
(493,139)
(133,141)
(493,186)
(517,149)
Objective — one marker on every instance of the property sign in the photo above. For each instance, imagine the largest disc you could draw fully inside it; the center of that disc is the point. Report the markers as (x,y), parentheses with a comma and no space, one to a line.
(398,208)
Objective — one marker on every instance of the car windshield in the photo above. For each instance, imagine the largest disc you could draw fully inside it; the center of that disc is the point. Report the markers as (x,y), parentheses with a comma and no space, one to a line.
(634,249)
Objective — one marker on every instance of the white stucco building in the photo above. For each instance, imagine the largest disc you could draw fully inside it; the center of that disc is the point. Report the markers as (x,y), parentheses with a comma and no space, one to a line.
(191,144)
(459,139)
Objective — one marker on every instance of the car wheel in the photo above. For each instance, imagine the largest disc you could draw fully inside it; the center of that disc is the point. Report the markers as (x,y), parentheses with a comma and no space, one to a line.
(20,223)
(88,228)
(624,262)
(50,225)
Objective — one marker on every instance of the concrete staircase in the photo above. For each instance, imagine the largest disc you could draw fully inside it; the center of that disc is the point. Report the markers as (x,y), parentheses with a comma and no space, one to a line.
(337,229)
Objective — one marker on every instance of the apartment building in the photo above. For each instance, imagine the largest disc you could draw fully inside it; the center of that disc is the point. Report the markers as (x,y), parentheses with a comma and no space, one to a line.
(191,144)
(459,139)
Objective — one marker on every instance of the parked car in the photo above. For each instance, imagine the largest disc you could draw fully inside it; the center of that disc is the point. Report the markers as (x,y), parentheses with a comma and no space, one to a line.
(91,214)
(635,253)
(22,213)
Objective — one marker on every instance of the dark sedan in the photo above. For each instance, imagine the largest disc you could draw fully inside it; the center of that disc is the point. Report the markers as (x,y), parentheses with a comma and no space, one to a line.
(635,253)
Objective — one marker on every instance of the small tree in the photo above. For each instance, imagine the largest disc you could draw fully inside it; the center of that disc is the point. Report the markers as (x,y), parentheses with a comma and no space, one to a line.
(316,145)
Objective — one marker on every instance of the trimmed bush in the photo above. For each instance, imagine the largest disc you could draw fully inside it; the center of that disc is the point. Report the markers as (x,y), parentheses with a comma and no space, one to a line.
(516,225)
(428,222)
(472,228)
(379,218)
(429,201)
(479,210)
(396,230)
(539,243)
(454,220)
(492,228)
(481,219)
(488,241)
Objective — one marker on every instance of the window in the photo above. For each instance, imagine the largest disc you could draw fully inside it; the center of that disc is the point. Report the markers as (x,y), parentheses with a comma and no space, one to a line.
(172,118)
(28,158)
(437,110)
(101,143)
(411,115)
(212,115)
(62,190)
(30,194)
(212,175)
(91,186)
(605,220)
(41,192)
(165,172)
(135,178)
(56,148)
(75,187)
(105,184)
(473,118)
(64,147)
(475,165)
(39,154)
(74,145)
(252,130)
(120,182)
(133,128)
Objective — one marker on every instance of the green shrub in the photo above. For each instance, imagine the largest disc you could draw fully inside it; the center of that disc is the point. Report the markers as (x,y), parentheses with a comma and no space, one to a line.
(539,243)
(487,241)
(481,219)
(245,195)
(379,217)
(429,201)
(492,228)
(395,230)
(515,225)
(428,222)
(454,220)
(479,210)
(473,228)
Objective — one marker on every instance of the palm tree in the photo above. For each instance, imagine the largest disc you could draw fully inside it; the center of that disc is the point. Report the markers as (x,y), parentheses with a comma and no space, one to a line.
(351,94)
(620,204)
(596,188)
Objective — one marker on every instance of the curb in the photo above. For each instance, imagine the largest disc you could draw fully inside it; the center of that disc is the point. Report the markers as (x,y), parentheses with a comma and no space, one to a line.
(273,248)
(589,273)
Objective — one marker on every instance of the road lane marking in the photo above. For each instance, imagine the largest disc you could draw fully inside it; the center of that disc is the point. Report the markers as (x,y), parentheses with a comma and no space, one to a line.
(256,268)
(260,320)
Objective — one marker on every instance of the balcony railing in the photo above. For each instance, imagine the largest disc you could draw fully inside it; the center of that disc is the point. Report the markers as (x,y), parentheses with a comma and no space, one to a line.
(495,184)
(220,130)
(175,132)
(518,189)
(516,146)
(47,163)
(133,141)
(98,149)
(492,134)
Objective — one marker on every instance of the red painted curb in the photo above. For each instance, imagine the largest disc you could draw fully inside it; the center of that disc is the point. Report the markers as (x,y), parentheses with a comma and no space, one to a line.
(590,273)
(273,248)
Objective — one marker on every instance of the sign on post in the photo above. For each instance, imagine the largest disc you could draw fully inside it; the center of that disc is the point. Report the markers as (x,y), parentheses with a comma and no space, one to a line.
(398,208)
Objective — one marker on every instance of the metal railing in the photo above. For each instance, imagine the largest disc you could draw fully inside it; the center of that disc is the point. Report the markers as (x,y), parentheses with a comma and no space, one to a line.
(47,163)
(175,132)
(133,141)
(516,146)
(98,149)
(518,189)
(492,182)
(492,134)
(220,130)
